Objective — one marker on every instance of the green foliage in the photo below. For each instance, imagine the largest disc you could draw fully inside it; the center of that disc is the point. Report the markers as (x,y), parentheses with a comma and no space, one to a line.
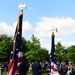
(71,53)
(35,51)
(61,52)
(24,47)
(32,50)
(5,46)
(65,54)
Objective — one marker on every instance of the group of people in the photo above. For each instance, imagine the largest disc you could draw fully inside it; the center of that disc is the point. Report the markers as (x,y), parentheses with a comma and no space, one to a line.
(63,68)
(66,68)
(23,68)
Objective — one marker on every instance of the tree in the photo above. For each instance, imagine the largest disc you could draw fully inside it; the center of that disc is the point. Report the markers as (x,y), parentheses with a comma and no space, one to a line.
(35,51)
(71,52)
(24,47)
(31,49)
(5,47)
(61,52)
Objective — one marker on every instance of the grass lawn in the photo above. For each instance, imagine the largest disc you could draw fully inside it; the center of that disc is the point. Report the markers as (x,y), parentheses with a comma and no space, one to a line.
(29,73)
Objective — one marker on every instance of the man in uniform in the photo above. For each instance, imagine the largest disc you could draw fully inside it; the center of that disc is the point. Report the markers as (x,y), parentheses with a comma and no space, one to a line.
(36,68)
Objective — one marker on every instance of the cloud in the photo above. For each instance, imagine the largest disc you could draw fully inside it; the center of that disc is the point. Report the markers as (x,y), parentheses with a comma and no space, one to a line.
(65,26)
(64,43)
(26,27)
(10,29)
(6,29)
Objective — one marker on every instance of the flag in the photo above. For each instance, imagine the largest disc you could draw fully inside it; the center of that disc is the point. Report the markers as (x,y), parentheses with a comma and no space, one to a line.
(16,56)
(53,66)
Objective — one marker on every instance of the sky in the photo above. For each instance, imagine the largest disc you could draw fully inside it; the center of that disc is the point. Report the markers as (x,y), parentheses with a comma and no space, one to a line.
(39,18)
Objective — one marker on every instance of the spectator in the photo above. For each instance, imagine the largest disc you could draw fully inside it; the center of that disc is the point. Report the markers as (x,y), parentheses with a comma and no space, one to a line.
(22,68)
(73,69)
(36,68)
(63,69)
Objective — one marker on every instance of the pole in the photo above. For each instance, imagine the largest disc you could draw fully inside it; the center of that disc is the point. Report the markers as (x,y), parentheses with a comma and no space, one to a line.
(0,70)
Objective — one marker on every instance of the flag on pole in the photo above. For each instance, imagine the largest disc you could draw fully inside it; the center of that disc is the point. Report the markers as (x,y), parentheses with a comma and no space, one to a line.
(53,66)
(16,56)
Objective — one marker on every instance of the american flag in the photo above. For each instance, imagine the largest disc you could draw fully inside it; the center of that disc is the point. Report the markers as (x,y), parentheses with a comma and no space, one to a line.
(16,56)
(53,66)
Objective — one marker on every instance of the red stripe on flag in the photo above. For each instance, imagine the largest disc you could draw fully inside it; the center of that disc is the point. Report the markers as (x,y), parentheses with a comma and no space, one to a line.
(20,59)
(10,64)
(54,69)
(14,69)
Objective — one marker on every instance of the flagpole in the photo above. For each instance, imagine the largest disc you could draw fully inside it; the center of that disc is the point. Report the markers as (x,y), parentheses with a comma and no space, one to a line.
(20,16)
(53,66)
(20,20)
(16,56)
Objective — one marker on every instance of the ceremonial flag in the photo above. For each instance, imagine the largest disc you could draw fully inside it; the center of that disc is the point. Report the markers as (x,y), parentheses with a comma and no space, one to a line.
(53,66)
(16,56)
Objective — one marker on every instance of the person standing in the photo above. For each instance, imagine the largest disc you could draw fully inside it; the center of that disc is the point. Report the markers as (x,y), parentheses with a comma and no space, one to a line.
(63,69)
(22,68)
(36,68)
(73,69)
